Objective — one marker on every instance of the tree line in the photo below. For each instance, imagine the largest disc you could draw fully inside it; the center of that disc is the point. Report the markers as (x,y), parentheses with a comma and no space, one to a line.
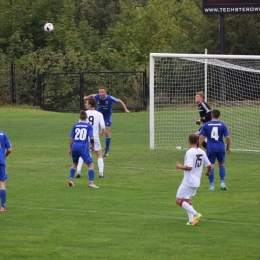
(114,35)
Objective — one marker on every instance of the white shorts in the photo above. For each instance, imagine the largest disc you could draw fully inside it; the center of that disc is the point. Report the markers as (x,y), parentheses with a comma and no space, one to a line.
(97,144)
(186,192)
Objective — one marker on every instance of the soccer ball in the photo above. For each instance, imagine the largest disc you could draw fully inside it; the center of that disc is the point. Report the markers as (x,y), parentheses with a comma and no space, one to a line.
(48,27)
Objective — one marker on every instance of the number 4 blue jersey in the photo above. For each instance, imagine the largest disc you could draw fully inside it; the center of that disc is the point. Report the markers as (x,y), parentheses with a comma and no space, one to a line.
(215,130)
(80,133)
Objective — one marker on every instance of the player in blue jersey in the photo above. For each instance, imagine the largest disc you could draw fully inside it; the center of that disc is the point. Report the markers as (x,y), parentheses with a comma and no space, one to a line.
(5,150)
(80,135)
(215,131)
(104,106)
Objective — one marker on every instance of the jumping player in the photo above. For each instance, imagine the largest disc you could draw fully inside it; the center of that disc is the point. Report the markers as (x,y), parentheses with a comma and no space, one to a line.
(104,106)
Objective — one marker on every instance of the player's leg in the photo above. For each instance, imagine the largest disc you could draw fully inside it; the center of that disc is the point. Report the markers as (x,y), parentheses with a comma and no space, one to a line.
(222,170)
(80,163)
(211,177)
(108,123)
(183,196)
(75,159)
(3,178)
(91,175)
(100,161)
(72,174)
(91,172)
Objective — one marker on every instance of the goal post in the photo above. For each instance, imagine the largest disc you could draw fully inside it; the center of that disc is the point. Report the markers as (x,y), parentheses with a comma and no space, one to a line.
(231,83)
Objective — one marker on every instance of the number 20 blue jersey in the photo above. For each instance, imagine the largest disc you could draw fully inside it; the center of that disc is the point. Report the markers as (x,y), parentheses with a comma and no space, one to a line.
(215,130)
(80,133)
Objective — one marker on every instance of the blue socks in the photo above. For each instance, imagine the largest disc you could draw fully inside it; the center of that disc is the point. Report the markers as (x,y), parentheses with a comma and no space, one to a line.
(211,177)
(222,174)
(91,174)
(72,172)
(3,197)
(108,140)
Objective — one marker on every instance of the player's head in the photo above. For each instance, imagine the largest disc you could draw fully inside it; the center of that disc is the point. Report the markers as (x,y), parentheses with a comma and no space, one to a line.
(199,97)
(193,139)
(82,115)
(90,103)
(215,114)
(102,91)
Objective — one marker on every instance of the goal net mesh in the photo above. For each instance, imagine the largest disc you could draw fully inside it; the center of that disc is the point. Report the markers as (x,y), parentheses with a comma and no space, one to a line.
(232,86)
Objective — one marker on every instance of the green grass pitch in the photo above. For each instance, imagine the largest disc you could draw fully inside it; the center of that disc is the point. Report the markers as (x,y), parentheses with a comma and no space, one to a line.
(133,215)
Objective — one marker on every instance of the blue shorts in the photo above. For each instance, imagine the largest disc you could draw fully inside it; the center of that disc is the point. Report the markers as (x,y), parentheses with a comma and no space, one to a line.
(3,173)
(108,120)
(220,156)
(86,156)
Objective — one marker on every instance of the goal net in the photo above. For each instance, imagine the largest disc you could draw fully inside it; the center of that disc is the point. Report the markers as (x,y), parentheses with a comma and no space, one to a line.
(231,83)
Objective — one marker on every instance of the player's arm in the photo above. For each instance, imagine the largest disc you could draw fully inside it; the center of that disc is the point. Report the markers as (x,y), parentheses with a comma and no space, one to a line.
(89,96)
(207,117)
(182,167)
(208,170)
(70,144)
(201,140)
(91,139)
(101,125)
(204,119)
(8,151)
(124,106)
(228,144)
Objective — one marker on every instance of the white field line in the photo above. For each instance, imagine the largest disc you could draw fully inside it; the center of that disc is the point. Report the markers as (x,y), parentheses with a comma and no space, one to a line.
(222,222)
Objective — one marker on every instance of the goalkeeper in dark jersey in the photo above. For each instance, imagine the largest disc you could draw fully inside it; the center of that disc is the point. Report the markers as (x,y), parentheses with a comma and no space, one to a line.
(204,111)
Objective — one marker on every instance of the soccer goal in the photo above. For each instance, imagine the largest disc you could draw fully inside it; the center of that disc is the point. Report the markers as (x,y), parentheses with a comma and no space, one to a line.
(231,83)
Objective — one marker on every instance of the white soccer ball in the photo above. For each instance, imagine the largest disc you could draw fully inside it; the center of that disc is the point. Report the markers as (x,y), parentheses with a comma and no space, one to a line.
(48,27)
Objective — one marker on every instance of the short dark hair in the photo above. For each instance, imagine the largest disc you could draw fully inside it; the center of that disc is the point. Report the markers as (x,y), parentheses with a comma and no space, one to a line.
(215,113)
(193,139)
(82,115)
(103,88)
(91,101)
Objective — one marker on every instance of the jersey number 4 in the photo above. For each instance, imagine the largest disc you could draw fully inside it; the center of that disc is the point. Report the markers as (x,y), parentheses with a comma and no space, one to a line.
(214,133)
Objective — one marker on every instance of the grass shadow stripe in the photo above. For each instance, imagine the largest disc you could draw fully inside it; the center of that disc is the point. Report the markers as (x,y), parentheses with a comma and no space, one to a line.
(223,222)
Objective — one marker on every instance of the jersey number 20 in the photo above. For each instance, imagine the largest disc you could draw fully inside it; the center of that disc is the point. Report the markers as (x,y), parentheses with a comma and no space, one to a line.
(81,134)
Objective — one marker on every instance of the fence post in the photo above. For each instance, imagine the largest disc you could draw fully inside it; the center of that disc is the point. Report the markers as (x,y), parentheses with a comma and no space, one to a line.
(12,74)
(81,90)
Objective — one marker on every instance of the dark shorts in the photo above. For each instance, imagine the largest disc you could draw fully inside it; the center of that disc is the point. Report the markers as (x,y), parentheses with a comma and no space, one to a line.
(108,120)
(220,156)
(86,156)
(3,173)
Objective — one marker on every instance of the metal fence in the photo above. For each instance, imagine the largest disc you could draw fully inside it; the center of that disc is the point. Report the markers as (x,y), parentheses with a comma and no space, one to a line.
(65,91)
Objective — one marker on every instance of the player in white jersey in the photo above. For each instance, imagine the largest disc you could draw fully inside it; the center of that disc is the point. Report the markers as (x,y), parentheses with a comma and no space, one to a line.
(194,160)
(96,119)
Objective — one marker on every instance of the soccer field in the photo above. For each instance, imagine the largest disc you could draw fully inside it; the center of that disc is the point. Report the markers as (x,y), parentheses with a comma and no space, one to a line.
(133,215)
